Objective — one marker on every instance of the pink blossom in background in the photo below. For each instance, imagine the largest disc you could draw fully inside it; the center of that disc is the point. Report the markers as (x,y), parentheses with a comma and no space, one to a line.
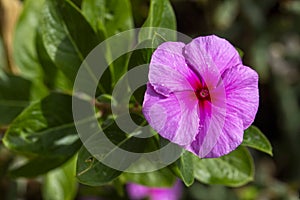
(138,192)
(200,95)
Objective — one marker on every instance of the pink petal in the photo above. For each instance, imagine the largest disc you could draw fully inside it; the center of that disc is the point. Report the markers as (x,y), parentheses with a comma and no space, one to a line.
(220,132)
(168,71)
(242,98)
(174,117)
(221,52)
(136,191)
(202,64)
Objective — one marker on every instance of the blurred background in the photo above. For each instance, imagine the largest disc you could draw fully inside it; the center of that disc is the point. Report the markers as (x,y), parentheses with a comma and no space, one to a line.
(268,32)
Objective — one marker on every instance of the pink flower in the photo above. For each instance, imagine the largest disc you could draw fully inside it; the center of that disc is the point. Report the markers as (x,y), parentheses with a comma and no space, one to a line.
(200,95)
(137,192)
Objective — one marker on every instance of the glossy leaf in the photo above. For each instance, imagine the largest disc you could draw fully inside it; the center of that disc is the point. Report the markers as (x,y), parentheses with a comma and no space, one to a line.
(254,138)
(92,172)
(53,76)
(44,131)
(186,168)
(234,169)
(161,15)
(14,97)
(61,183)
(67,36)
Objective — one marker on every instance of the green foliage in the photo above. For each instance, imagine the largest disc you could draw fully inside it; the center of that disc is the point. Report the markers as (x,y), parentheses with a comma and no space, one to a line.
(67,36)
(108,17)
(186,168)
(92,172)
(59,36)
(254,138)
(25,51)
(14,97)
(61,183)
(159,178)
(160,15)
(45,132)
(234,169)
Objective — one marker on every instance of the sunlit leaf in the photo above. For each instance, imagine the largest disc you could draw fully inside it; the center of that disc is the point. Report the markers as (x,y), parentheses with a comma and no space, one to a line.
(68,37)
(234,169)
(186,168)
(254,138)
(61,183)
(161,15)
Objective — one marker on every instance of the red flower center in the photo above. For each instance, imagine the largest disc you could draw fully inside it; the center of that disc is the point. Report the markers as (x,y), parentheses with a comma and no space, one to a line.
(202,94)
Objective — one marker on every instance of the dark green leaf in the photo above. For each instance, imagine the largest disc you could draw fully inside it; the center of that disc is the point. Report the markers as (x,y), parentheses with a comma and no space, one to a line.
(186,168)
(14,97)
(44,131)
(37,166)
(67,36)
(140,56)
(234,169)
(161,15)
(160,178)
(92,172)
(53,76)
(254,138)
(61,182)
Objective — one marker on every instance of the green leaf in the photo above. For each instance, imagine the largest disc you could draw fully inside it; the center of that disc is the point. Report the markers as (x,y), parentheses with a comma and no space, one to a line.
(254,138)
(53,76)
(14,97)
(108,16)
(161,15)
(140,56)
(61,182)
(67,36)
(37,166)
(234,169)
(92,172)
(25,52)
(44,131)
(160,178)
(186,168)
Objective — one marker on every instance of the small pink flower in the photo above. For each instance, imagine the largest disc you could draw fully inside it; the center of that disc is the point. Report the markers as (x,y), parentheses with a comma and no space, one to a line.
(137,192)
(200,95)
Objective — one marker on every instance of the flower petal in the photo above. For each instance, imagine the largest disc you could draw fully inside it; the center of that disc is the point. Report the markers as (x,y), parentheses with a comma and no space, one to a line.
(219,133)
(136,191)
(168,71)
(174,117)
(200,62)
(172,193)
(222,53)
(242,98)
